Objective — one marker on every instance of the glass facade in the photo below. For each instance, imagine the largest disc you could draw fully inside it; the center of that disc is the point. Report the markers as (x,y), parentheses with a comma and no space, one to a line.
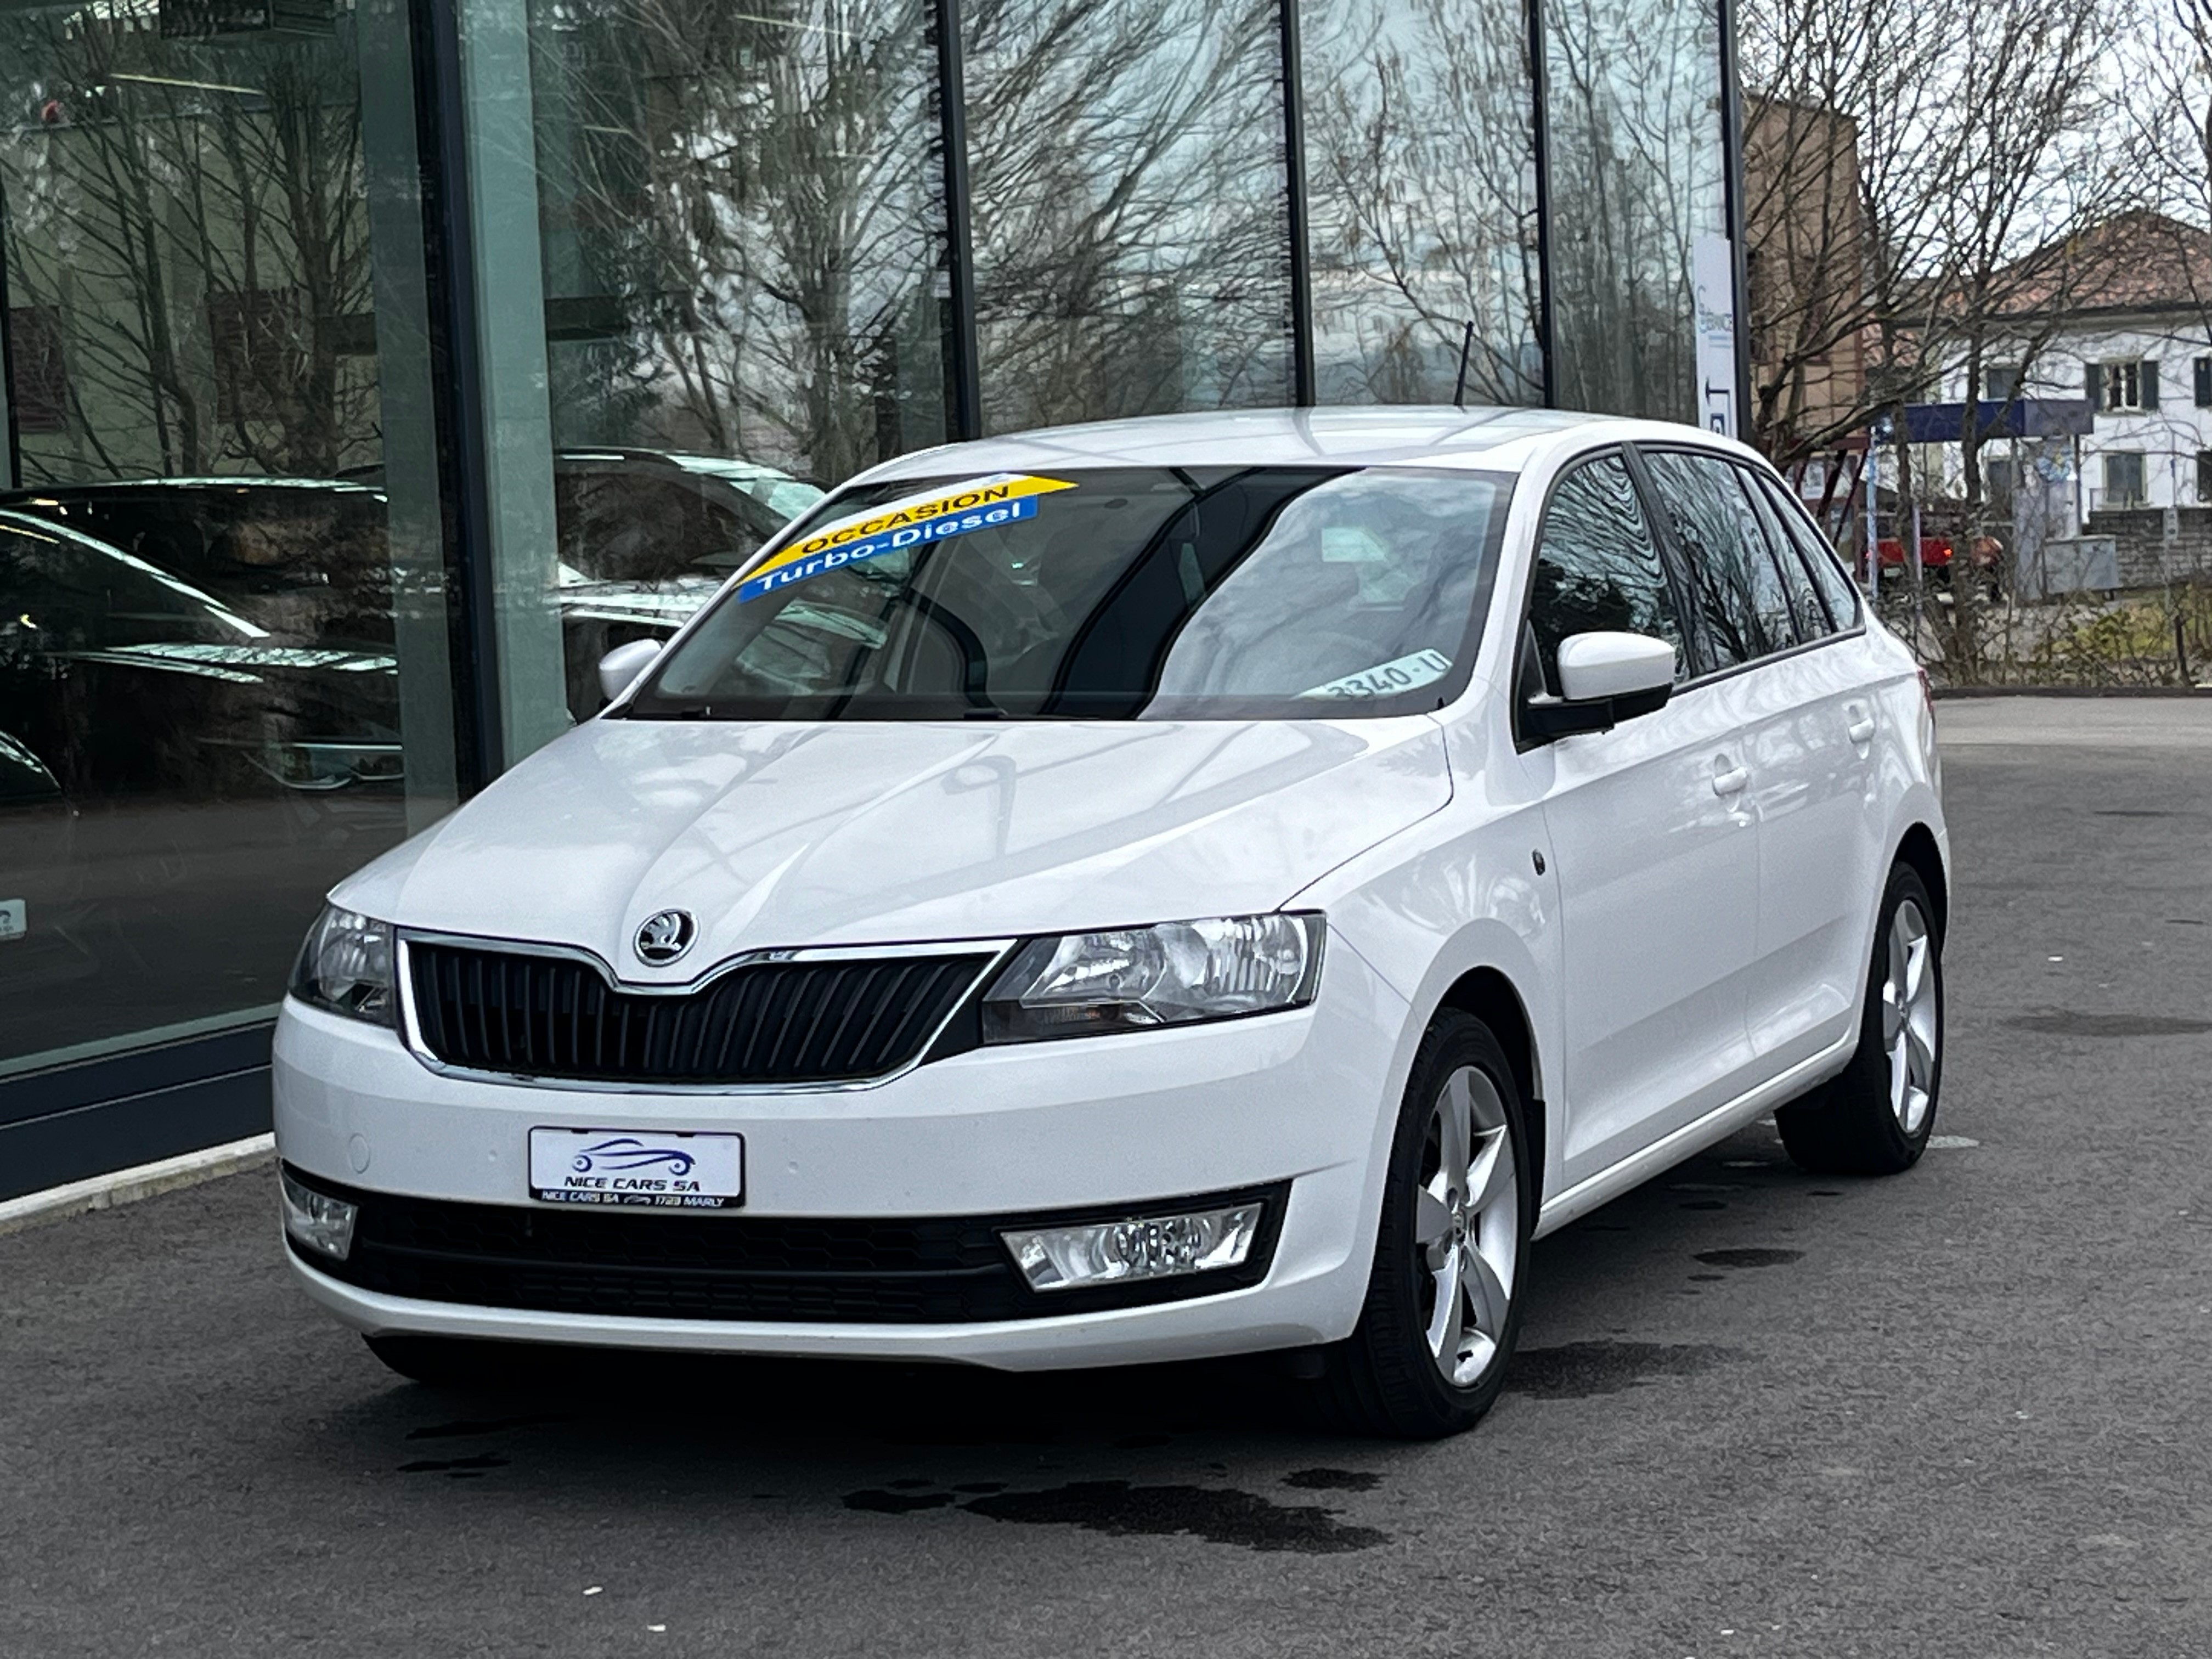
(375,366)
(223,655)
(1422,185)
(1635,125)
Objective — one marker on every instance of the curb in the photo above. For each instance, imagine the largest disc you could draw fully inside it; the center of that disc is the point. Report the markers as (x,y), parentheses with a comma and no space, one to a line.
(129,1186)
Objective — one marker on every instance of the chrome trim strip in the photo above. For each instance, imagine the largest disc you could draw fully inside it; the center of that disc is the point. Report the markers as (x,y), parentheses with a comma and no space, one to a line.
(410,1031)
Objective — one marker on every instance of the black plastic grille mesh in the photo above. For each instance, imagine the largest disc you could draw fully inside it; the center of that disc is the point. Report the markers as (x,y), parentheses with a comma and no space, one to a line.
(778,1022)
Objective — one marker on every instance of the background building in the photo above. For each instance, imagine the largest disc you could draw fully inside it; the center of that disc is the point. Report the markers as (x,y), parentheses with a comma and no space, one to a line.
(374,366)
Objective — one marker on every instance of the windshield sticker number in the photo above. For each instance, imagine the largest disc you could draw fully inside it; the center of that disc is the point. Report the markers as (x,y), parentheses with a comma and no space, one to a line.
(983,503)
(1387,679)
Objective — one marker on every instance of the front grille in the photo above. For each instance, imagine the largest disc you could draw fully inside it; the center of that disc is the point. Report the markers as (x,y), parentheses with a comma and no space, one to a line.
(930,1270)
(767,1023)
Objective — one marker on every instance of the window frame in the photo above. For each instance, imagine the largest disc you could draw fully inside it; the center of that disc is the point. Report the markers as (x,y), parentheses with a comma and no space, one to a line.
(2141,463)
(2109,371)
(1811,542)
(1707,674)
(1783,547)
(1524,741)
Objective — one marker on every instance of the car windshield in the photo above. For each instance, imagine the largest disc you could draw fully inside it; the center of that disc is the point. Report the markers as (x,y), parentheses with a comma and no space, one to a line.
(1159,594)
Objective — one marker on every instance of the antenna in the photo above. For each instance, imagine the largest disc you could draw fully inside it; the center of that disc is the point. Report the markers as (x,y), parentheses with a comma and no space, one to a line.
(1465,349)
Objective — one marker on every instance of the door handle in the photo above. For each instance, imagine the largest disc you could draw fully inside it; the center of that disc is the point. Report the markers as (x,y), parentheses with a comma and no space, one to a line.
(1861,730)
(1730,782)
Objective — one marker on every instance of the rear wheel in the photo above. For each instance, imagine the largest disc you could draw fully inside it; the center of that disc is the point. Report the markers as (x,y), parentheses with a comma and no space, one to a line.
(1442,1310)
(1876,1116)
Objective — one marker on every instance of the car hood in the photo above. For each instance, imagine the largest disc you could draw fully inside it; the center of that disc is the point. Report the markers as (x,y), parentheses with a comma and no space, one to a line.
(786,835)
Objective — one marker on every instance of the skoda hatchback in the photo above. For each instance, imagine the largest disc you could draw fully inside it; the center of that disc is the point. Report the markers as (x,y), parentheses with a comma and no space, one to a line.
(1180,887)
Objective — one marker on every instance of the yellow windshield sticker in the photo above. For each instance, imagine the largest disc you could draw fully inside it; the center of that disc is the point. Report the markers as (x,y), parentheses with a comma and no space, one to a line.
(984,503)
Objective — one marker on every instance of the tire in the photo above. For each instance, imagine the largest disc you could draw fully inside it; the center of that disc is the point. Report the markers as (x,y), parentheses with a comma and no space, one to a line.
(1875,1117)
(444,1362)
(1388,1379)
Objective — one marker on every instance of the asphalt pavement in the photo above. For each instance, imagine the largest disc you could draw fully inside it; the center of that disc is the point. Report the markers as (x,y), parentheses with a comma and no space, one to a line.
(1964,1411)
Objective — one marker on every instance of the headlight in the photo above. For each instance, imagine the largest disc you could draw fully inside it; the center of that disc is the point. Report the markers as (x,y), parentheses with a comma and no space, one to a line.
(1134,979)
(345,966)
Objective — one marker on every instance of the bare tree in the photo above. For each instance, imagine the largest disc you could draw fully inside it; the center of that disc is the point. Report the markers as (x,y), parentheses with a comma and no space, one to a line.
(1912,174)
(205,242)
(1420,138)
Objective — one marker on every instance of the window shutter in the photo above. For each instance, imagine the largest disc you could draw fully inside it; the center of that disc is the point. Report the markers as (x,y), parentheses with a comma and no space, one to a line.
(2150,384)
(2093,376)
(2204,382)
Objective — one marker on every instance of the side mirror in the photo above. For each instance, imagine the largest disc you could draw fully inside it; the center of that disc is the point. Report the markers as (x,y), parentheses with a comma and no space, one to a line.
(620,667)
(1605,679)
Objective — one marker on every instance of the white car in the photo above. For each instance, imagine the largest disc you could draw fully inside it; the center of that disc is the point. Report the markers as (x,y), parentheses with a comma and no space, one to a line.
(1180,887)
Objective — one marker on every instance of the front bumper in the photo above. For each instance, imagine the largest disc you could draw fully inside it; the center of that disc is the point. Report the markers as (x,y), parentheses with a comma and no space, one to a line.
(1136,1120)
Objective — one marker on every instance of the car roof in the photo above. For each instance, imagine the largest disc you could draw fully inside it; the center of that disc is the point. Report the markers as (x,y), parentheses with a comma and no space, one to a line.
(1335,437)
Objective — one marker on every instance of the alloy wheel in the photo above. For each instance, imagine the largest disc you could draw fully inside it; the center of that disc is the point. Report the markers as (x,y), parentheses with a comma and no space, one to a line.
(1466,1223)
(1910,1024)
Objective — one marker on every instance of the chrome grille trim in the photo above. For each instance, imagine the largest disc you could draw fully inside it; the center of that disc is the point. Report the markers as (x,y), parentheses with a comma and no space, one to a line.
(993,952)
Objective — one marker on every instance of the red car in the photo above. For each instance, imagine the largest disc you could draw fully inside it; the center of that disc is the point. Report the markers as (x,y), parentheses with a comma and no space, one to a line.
(1934,553)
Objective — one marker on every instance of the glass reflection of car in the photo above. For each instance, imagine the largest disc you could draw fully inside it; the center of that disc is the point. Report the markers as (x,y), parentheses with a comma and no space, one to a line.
(1166,889)
(126,682)
(643,540)
(40,882)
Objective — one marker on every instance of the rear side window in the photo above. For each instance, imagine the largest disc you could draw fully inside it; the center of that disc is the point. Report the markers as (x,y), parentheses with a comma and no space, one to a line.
(1837,588)
(1598,567)
(1742,611)
(1804,601)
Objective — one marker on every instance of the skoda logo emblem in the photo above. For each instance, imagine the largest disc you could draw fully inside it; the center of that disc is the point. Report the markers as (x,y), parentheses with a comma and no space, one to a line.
(663,938)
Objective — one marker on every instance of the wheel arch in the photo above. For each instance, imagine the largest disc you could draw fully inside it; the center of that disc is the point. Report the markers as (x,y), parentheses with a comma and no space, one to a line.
(1491,997)
(1917,850)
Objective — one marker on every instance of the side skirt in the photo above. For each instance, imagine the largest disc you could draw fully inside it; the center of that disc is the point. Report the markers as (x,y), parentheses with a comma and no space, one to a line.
(1724,1121)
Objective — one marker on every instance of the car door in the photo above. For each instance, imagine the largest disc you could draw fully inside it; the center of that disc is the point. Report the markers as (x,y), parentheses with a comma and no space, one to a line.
(1652,843)
(1763,624)
(1820,861)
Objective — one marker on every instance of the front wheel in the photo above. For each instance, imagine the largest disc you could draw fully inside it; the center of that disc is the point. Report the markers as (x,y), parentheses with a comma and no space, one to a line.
(1442,1310)
(1875,1117)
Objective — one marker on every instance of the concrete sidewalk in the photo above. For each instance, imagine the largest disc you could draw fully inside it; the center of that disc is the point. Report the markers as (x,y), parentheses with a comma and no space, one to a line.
(2177,722)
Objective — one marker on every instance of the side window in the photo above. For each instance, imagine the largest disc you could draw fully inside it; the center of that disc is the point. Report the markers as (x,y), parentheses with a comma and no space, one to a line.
(1742,609)
(1598,567)
(1805,602)
(1840,592)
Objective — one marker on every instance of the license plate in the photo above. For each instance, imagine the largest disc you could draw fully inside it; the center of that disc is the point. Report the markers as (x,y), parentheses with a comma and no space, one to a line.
(634,1167)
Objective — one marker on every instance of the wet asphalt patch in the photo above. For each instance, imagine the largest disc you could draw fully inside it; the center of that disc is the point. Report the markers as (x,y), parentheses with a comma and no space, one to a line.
(1122,1509)
(1748,1257)
(1332,1479)
(1577,1370)
(2067,1022)
(457,1467)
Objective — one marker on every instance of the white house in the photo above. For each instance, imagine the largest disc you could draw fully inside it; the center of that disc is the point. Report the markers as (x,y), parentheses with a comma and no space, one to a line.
(2131,333)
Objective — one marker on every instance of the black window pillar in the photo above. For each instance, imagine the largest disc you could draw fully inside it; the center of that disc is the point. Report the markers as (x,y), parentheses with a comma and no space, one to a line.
(1732,183)
(963,369)
(457,361)
(1294,170)
(1539,89)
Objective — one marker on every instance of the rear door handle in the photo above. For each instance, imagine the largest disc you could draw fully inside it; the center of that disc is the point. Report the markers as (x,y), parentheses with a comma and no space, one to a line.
(1730,782)
(1861,730)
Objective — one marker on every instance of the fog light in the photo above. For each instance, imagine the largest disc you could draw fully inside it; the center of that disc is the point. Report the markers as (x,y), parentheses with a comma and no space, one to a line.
(315,1221)
(1147,1246)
